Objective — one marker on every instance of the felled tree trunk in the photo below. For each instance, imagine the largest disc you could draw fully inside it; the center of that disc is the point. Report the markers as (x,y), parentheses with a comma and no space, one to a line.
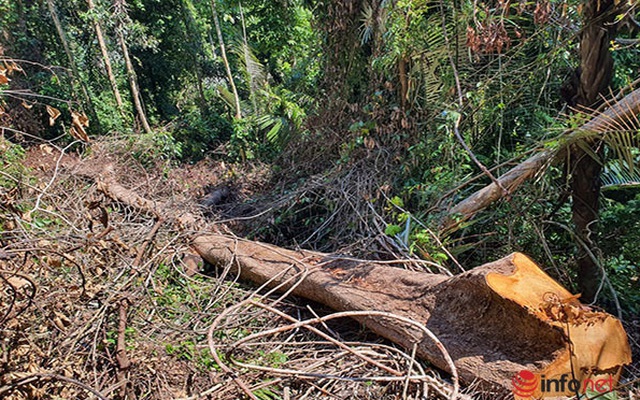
(610,120)
(494,320)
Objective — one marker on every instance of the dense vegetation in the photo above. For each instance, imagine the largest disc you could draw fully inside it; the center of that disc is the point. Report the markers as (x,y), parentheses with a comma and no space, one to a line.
(373,118)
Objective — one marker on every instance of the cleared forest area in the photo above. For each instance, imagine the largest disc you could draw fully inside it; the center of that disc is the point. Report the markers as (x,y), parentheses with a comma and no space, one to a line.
(314,199)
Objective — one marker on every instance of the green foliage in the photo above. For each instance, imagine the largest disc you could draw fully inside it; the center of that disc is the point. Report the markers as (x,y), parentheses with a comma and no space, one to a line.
(242,146)
(187,350)
(267,393)
(619,244)
(11,155)
(149,149)
(592,394)
(377,78)
(413,34)
(196,135)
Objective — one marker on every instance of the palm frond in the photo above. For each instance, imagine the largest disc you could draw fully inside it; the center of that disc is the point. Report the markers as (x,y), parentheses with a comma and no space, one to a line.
(617,174)
(226,95)
(252,68)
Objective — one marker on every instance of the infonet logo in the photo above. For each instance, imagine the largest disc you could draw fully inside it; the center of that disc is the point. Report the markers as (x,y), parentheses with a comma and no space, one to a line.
(526,384)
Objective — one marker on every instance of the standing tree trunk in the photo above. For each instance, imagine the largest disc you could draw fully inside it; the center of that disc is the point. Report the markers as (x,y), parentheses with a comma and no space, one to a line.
(107,63)
(404,81)
(223,53)
(72,63)
(596,70)
(120,12)
(196,49)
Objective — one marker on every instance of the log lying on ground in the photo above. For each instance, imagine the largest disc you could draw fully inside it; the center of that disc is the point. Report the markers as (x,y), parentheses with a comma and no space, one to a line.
(614,118)
(105,178)
(494,320)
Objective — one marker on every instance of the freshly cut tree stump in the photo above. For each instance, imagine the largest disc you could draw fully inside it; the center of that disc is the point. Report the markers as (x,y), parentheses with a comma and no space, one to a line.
(495,320)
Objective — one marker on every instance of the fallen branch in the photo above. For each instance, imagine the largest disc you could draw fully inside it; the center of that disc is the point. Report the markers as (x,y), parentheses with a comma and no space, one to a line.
(611,119)
(147,241)
(121,349)
(106,181)
(495,320)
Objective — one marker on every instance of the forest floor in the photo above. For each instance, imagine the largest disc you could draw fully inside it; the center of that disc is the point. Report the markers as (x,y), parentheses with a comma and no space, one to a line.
(103,299)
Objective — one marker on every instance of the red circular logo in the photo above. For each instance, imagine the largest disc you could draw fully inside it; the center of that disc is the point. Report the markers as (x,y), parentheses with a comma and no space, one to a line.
(524,383)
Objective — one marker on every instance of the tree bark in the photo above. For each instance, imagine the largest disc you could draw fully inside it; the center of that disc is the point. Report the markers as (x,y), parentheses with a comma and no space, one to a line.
(107,63)
(131,73)
(494,321)
(596,70)
(223,53)
(133,83)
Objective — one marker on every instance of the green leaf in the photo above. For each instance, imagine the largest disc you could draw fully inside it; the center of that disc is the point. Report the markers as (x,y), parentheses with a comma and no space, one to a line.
(397,201)
(392,230)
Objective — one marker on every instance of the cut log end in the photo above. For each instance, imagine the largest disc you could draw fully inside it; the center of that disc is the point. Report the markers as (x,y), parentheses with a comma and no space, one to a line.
(595,346)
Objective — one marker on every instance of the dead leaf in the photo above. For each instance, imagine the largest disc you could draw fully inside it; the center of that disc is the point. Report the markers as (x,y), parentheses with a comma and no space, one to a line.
(12,66)
(54,262)
(192,263)
(79,134)
(3,79)
(79,119)
(59,323)
(27,105)
(79,122)
(18,282)
(46,149)
(369,143)
(54,113)
(62,318)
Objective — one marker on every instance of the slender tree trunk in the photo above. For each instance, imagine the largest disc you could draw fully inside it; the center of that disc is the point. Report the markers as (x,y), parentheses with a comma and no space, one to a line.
(596,70)
(131,73)
(223,53)
(107,63)
(196,50)
(72,63)
(404,83)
